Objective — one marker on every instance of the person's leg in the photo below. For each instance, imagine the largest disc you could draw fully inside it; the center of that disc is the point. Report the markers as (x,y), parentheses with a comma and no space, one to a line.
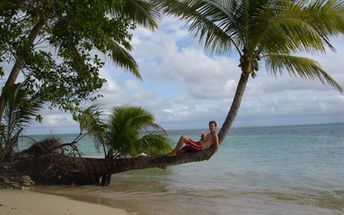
(182,140)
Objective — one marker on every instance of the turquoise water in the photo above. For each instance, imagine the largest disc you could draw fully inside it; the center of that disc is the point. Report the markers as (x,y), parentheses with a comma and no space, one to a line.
(265,170)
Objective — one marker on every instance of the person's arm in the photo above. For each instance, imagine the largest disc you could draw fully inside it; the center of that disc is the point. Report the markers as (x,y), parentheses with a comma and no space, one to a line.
(203,136)
(216,146)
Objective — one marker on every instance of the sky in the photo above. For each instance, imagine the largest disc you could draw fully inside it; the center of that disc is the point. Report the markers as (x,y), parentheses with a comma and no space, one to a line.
(185,87)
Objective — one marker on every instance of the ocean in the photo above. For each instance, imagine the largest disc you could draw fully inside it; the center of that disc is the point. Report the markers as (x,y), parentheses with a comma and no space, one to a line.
(263,170)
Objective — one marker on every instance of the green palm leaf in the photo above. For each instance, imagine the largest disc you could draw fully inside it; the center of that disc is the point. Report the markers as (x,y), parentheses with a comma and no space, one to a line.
(90,121)
(20,109)
(212,24)
(299,67)
(327,15)
(155,144)
(288,26)
(141,12)
(286,29)
(121,57)
(126,132)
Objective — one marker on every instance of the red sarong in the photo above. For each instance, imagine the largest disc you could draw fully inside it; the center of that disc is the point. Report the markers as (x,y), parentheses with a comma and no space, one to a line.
(193,146)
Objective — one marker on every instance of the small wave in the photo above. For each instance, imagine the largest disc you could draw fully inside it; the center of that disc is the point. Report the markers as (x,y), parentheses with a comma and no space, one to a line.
(221,193)
(328,200)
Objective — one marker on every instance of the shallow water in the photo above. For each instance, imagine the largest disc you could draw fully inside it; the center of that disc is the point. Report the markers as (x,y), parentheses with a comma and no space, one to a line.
(268,170)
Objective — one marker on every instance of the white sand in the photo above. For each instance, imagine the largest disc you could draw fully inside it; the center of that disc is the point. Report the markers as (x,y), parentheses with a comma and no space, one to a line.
(21,202)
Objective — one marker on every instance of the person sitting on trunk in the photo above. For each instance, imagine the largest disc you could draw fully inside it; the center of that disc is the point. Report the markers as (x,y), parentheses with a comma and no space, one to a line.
(194,146)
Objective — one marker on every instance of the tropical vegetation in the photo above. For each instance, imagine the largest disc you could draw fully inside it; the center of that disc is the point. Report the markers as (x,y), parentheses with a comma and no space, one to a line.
(20,109)
(128,131)
(59,47)
(55,49)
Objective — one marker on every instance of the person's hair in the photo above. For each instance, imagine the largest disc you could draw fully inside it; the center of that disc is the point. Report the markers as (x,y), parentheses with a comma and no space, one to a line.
(213,122)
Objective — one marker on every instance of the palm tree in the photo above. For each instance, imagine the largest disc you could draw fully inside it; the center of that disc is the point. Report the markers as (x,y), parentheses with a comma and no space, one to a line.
(128,131)
(20,109)
(264,31)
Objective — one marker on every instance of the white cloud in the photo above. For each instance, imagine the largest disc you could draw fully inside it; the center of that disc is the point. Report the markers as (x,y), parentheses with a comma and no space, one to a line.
(200,75)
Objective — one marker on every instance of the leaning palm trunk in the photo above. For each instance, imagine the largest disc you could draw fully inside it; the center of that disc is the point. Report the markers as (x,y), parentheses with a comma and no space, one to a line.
(227,124)
(61,169)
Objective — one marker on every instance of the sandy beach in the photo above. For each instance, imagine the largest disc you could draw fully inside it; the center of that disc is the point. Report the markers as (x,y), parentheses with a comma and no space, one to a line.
(22,202)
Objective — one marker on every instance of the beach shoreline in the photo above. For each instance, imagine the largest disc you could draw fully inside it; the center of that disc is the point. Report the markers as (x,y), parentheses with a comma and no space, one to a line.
(27,202)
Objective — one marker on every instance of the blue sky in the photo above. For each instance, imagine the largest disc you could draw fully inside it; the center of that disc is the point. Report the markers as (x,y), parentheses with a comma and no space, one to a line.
(185,87)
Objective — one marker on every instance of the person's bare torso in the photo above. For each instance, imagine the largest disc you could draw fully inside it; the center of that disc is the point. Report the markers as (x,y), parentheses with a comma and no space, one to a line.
(208,141)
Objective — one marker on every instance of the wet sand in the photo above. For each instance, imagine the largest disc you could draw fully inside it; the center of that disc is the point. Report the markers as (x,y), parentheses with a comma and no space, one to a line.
(200,202)
(22,202)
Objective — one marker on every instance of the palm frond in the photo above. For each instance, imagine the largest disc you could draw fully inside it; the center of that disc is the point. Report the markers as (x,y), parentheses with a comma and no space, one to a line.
(126,130)
(20,109)
(212,21)
(155,144)
(89,118)
(90,121)
(284,27)
(121,136)
(158,128)
(296,26)
(122,58)
(328,17)
(29,110)
(301,67)
(141,12)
